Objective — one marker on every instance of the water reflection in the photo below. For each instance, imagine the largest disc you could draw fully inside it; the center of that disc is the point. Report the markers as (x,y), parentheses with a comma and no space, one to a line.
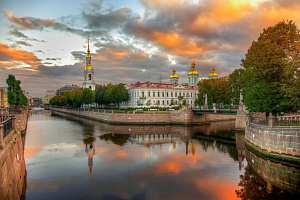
(132,162)
(266,179)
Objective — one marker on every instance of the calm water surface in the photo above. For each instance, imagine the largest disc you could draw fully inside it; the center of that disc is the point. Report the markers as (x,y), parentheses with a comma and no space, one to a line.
(81,159)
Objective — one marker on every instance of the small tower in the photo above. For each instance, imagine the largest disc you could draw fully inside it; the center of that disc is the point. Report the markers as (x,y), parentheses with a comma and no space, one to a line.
(88,71)
(193,75)
(213,74)
(174,77)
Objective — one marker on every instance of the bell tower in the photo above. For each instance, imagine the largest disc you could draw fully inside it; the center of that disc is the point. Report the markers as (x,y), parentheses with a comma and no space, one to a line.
(88,71)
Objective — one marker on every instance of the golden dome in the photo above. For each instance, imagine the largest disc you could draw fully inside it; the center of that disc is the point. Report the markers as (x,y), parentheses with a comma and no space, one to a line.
(213,74)
(213,68)
(88,67)
(174,76)
(173,70)
(193,71)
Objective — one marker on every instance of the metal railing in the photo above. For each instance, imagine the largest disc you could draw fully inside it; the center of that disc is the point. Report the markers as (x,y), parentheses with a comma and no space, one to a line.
(287,121)
(6,121)
(259,120)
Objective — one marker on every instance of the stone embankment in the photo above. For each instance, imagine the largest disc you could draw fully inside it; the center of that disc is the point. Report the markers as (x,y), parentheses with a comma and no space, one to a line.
(12,161)
(183,116)
(277,138)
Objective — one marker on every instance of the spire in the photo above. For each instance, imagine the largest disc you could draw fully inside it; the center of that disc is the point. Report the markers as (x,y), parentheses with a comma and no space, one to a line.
(88,45)
(193,63)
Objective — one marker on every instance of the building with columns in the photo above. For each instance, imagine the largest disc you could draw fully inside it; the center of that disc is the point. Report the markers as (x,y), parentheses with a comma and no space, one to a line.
(89,71)
(147,94)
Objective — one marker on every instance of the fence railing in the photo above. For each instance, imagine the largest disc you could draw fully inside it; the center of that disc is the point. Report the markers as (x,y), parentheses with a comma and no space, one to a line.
(259,120)
(6,121)
(276,121)
(287,121)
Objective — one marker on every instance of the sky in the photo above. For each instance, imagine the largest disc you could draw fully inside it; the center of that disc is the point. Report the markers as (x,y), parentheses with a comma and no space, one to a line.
(44,43)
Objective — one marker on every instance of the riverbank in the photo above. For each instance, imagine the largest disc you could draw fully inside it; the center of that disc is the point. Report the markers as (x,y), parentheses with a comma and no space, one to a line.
(180,117)
(12,161)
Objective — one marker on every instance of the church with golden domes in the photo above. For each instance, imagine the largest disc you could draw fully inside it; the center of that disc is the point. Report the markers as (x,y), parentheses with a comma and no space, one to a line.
(147,94)
(89,71)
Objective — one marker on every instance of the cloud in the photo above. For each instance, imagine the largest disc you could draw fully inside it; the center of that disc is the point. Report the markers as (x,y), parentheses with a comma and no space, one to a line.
(17,33)
(113,19)
(23,58)
(32,23)
(23,43)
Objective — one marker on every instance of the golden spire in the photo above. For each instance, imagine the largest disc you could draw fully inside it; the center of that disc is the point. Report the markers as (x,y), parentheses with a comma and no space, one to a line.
(193,63)
(174,70)
(213,68)
(88,45)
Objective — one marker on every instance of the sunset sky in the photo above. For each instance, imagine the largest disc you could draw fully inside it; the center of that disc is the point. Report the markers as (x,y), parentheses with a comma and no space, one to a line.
(44,43)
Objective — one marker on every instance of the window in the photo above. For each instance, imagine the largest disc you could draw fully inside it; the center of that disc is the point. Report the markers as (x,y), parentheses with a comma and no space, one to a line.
(167,102)
(158,94)
(90,76)
(171,94)
(179,93)
(90,87)
(176,95)
(176,102)
(167,94)
(153,94)
(163,102)
(158,102)
(191,94)
(138,94)
(184,94)
(153,102)
(134,94)
(148,94)
(143,94)
(163,94)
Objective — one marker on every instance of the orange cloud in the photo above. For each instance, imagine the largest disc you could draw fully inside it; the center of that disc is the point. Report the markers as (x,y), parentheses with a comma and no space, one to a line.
(19,56)
(176,43)
(29,23)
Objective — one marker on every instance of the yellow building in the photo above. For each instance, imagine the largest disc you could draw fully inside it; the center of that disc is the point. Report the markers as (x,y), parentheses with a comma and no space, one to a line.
(3,98)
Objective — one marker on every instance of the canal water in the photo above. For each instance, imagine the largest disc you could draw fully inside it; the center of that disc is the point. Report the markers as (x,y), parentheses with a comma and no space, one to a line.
(72,158)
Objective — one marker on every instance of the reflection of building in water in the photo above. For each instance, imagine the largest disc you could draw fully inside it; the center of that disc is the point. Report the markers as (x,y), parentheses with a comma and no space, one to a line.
(90,152)
(277,176)
(240,146)
(154,139)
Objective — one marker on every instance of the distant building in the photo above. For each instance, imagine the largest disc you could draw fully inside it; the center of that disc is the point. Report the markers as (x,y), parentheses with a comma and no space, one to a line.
(29,98)
(3,97)
(36,101)
(66,88)
(48,95)
(89,72)
(149,94)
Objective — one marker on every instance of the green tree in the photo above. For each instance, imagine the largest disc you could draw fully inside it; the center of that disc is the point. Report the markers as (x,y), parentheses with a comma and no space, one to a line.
(236,85)
(75,97)
(15,94)
(87,96)
(271,75)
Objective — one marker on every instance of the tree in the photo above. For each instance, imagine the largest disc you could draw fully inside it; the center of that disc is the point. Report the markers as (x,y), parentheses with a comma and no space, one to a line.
(75,97)
(15,94)
(87,96)
(271,75)
(236,85)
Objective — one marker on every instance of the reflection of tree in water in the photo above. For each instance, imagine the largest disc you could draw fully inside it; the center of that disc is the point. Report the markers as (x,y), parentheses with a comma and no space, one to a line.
(89,140)
(119,139)
(254,187)
(226,148)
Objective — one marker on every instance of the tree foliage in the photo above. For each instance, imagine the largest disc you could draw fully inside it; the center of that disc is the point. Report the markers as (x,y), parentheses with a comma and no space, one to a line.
(271,70)
(217,91)
(15,95)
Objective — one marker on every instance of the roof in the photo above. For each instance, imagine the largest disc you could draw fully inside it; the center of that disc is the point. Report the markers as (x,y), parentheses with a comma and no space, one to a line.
(158,85)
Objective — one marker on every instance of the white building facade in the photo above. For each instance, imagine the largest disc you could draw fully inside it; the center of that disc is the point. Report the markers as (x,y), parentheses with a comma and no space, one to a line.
(149,94)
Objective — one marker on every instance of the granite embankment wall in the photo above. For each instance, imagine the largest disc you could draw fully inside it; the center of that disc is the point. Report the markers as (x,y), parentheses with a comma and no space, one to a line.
(12,161)
(183,116)
(281,142)
(274,173)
